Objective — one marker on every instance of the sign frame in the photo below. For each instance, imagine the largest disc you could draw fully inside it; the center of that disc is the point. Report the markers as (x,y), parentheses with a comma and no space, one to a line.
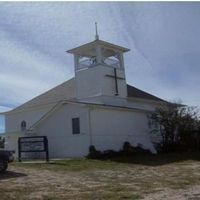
(31,140)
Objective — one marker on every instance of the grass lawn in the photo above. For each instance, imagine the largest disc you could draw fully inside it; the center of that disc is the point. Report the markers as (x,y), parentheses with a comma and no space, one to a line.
(171,176)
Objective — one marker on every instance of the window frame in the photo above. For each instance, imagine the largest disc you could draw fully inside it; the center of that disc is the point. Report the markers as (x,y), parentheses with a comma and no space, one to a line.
(76,126)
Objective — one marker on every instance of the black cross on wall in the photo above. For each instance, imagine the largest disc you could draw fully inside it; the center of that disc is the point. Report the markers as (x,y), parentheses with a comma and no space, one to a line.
(116,82)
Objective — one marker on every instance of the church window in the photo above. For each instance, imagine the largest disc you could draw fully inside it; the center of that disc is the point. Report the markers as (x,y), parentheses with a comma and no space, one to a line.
(75,125)
(23,125)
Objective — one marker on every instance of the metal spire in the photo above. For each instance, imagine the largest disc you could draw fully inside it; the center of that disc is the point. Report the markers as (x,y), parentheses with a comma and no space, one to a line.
(96,36)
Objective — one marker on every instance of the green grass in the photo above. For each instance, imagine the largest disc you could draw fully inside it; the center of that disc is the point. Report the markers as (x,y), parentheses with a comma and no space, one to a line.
(72,165)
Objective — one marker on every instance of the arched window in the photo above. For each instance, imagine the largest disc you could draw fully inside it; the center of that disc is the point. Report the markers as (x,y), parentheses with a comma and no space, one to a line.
(23,125)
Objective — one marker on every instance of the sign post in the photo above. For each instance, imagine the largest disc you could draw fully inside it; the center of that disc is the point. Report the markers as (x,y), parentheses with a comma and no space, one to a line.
(33,144)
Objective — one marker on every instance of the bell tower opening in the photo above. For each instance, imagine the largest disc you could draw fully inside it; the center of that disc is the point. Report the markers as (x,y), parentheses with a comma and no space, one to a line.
(97,53)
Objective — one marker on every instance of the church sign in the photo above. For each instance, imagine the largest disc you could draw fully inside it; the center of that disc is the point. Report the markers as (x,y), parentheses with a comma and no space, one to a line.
(33,144)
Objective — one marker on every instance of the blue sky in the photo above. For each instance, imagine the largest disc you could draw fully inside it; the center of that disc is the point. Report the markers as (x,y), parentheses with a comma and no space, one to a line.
(163,37)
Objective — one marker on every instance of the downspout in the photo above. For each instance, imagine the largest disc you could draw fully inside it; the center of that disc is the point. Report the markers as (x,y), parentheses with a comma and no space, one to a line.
(90,125)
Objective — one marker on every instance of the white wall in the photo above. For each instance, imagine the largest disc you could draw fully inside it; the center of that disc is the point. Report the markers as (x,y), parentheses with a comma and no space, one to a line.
(13,120)
(93,82)
(11,142)
(58,129)
(111,128)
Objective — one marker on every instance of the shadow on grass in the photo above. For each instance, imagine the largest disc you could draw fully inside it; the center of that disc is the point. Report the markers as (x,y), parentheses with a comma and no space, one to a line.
(10,174)
(154,160)
(112,160)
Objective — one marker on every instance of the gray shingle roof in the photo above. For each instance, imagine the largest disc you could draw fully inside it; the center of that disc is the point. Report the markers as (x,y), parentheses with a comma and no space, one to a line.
(61,92)
(137,93)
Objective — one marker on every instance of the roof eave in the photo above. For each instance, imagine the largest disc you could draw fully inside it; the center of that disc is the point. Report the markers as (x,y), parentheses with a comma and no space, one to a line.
(6,112)
(101,42)
(146,100)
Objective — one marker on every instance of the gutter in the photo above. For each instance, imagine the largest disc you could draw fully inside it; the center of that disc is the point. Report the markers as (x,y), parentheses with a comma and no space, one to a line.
(107,106)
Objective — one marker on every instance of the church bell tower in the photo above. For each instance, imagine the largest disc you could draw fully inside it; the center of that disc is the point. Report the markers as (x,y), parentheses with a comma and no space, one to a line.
(99,69)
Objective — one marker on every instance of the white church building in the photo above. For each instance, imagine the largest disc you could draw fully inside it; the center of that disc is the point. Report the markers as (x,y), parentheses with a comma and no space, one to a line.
(96,107)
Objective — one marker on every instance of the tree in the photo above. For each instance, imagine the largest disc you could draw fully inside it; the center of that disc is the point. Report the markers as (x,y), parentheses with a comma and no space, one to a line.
(179,126)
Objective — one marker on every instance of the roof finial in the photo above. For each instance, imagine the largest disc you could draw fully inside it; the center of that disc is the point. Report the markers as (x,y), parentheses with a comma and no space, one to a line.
(96,36)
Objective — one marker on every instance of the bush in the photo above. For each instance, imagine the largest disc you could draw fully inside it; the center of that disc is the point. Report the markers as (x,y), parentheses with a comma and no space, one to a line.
(109,153)
(127,150)
(92,149)
(93,153)
(140,150)
(126,147)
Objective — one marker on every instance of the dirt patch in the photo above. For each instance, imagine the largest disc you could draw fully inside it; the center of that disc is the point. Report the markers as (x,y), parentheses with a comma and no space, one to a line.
(190,193)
